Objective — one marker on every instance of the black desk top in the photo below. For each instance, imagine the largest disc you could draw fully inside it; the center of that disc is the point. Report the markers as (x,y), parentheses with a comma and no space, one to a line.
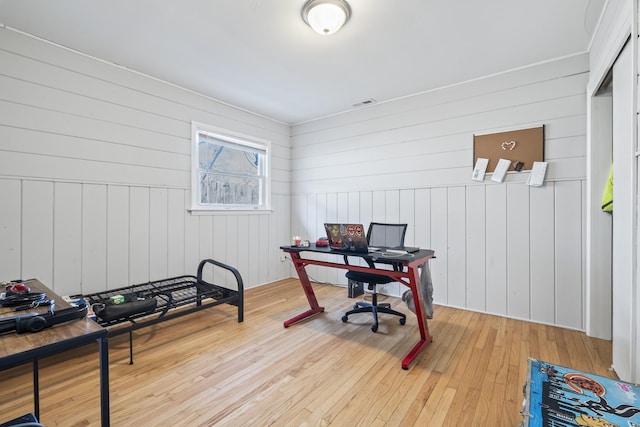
(376,256)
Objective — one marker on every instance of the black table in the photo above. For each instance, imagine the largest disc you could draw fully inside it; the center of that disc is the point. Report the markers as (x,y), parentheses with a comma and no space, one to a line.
(408,276)
(17,349)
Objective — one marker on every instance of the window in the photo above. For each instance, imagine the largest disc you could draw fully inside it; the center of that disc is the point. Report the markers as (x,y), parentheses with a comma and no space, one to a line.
(229,171)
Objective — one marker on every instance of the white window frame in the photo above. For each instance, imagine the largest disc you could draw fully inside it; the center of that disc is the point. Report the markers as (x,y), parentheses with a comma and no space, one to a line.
(235,139)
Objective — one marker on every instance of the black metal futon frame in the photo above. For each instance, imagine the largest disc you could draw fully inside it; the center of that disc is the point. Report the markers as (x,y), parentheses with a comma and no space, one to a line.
(154,302)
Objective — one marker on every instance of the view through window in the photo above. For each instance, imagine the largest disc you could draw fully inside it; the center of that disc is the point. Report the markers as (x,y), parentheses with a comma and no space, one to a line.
(229,171)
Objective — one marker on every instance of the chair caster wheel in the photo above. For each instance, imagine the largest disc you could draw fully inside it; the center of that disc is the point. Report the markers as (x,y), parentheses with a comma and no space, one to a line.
(403,321)
(344,319)
(374,328)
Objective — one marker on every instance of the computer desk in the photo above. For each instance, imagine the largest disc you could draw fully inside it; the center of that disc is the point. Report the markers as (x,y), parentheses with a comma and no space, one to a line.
(409,276)
(17,349)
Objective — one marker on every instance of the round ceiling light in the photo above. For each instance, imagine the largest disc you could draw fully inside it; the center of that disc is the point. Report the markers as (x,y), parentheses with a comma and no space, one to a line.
(326,16)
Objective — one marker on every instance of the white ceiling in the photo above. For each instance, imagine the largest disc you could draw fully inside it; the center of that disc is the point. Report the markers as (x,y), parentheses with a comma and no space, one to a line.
(260,56)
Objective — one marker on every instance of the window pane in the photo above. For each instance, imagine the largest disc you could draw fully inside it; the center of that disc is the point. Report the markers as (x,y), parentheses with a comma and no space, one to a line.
(229,171)
(229,190)
(224,159)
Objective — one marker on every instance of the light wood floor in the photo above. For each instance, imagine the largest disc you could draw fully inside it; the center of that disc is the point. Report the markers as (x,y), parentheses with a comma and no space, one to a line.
(206,369)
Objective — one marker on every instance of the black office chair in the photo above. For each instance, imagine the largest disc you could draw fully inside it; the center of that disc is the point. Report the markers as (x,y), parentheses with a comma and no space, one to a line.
(379,235)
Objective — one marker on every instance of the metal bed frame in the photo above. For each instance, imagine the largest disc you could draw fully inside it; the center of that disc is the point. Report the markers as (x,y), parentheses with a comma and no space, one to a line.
(191,292)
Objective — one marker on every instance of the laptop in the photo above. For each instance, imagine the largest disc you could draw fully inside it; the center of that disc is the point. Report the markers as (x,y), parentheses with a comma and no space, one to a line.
(347,237)
(408,249)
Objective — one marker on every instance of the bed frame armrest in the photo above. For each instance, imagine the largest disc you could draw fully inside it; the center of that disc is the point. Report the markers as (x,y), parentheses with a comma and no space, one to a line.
(235,273)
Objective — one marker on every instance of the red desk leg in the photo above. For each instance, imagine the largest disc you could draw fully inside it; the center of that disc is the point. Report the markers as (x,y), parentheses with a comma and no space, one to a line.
(413,281)
(308,291)
(425,336)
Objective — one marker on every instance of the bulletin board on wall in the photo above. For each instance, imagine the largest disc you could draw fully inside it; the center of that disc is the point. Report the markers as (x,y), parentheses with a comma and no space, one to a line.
(524,145)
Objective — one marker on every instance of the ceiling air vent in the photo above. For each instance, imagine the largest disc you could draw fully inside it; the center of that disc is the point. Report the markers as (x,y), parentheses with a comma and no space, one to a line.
(369,101)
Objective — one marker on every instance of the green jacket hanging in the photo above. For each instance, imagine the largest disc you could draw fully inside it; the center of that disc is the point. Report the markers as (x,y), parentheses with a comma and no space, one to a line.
(607,196)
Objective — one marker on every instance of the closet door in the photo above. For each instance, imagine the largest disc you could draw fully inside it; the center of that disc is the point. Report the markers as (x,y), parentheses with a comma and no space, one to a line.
(624,229)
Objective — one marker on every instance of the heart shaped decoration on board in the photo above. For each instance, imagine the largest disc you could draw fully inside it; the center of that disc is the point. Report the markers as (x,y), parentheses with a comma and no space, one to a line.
(510,145)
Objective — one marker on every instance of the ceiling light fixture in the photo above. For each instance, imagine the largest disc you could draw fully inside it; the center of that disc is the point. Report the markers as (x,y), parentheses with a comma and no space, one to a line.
(326,16)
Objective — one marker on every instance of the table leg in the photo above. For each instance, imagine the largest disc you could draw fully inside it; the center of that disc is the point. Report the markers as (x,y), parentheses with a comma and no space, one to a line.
(308,291)
(36,389)
(425,336)
(103,345)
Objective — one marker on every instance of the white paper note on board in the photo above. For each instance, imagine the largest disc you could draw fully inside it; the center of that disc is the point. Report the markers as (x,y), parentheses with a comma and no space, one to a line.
(480,169)
(538,171)
(501,170)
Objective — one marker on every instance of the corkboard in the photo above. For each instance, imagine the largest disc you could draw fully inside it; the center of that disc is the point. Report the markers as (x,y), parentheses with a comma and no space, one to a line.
(525,145)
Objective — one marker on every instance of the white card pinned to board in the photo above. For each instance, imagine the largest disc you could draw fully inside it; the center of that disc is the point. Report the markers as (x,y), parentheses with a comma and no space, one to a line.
(501,170)
(480,169)
(536,177)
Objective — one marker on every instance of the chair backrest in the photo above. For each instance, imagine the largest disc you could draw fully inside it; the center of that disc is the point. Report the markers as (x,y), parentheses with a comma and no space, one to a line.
(386,235)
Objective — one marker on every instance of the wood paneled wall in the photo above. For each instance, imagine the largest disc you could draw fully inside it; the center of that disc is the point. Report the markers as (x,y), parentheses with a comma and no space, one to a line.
(506,249)
(611,35)
(94,176)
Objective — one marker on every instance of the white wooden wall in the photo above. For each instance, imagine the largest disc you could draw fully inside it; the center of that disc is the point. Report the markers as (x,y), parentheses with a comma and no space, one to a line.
(94,176)
(505,249)
(610,36)
(612,256)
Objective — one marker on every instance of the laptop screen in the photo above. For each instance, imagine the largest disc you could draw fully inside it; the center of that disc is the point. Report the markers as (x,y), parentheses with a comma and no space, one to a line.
(347,237)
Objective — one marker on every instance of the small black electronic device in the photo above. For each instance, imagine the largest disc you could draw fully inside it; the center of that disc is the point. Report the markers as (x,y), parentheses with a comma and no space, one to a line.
(35,322)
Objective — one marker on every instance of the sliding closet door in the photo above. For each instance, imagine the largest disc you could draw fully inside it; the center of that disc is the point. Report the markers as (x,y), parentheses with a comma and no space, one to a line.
(624,214)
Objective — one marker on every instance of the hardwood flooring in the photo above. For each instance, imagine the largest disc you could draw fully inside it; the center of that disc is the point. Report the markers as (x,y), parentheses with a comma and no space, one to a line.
(206,369)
